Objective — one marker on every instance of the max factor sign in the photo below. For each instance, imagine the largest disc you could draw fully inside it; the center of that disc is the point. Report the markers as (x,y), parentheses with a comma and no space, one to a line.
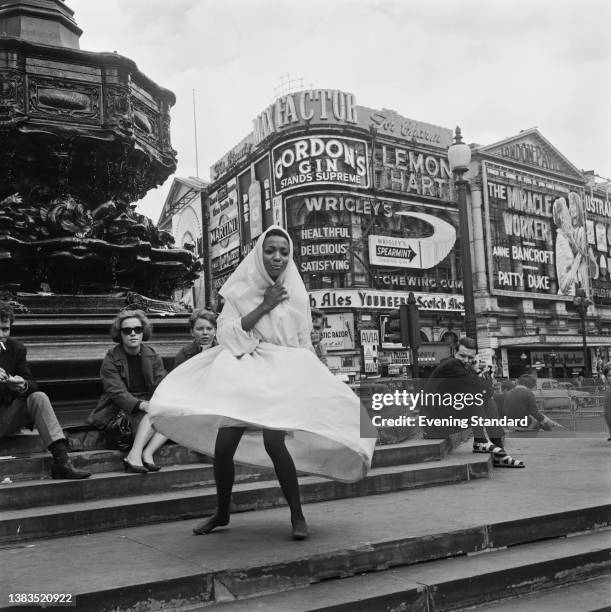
(383,300)
(313,106)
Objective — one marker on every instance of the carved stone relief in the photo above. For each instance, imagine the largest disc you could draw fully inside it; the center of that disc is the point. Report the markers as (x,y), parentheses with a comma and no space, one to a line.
(61,97)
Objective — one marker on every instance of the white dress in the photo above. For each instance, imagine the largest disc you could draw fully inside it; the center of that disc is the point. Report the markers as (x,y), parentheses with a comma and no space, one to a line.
(254,380)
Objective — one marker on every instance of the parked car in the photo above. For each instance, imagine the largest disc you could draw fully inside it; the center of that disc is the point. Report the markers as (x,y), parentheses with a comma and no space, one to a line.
(553,394)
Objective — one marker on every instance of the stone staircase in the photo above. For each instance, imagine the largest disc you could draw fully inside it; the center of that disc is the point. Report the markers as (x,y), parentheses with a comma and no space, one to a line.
(390,542)
(34,506)
(419,584)
(66,349)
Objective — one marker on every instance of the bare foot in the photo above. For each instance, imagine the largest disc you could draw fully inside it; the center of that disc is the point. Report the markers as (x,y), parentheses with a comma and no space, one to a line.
(212,523)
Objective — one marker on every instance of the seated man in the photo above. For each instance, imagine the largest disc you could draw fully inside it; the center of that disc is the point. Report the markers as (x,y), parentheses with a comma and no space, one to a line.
(458,378)
(316,335)
(22,405)
(521,401)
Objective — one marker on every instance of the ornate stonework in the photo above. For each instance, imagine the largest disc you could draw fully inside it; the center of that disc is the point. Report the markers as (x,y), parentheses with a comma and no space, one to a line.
(81,136)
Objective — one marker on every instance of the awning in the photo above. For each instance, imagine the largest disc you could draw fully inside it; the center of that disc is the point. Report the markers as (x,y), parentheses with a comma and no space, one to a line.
(552,341)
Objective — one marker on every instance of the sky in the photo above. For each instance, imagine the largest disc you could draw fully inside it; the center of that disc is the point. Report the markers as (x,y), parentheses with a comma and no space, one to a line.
(494,67)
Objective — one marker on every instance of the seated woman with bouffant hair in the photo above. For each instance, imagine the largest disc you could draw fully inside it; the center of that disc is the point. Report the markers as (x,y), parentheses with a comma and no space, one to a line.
(130,373)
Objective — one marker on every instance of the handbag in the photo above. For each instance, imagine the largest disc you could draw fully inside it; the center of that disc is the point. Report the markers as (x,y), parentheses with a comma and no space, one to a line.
(118,432)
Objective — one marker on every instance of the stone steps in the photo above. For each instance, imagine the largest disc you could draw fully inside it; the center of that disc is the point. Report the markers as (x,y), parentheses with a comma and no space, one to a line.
(450,584)
(387,542)
(111,501)
(36,465)
(66,347)
(28,443)
(435,570)
(591,595)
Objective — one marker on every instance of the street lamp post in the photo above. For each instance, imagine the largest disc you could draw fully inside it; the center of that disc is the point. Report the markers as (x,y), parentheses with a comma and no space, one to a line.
(552,364)
(459,156)
(582,302)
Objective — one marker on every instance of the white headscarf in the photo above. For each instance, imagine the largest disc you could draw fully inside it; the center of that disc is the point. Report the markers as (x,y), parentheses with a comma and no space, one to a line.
(290,321)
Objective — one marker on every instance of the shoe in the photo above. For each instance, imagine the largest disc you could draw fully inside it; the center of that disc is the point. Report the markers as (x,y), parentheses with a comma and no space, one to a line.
(488,447)
(300,529)
(151,467)
(67,471)
(134,469)
(507,461)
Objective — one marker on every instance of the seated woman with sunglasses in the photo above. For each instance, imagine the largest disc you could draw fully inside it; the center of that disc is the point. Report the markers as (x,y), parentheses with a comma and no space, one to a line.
(130,373)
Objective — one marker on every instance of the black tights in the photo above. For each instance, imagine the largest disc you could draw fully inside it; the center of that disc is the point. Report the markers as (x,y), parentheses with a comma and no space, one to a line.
(227,441)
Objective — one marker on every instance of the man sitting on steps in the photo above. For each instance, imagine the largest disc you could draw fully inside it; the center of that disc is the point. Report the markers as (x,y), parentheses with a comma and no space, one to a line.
(22,405)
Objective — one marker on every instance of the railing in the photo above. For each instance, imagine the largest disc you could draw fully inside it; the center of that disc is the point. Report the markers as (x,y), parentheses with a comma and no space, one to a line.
(585,414)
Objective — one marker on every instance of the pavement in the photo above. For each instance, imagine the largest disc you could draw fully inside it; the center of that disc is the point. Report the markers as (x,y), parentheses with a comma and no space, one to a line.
(560,475)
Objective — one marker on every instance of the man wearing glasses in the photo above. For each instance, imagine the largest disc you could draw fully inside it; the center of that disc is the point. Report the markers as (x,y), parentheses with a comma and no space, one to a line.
(22,405)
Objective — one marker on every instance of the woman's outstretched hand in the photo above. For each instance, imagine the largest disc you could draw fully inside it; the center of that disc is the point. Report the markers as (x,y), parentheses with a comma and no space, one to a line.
(274,295)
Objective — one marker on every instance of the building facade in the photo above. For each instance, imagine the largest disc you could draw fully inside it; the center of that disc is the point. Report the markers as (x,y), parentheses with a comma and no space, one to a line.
(367,197)
(182,216)
(541,229)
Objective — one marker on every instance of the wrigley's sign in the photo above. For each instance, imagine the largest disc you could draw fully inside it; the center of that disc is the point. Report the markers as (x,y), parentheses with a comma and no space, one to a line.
(384,300)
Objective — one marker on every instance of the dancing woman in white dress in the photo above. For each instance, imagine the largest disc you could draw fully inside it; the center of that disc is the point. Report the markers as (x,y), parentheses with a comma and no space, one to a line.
(264,389)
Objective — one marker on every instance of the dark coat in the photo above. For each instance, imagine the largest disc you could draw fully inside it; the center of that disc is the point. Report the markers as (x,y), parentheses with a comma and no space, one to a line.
(186,352)
(454,378)
(13,361)
(115,380)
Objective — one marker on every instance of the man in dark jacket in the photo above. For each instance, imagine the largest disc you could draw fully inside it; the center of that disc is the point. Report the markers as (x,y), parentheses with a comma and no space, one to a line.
(316,336)
(457,378)
(521,401)
(202,324)
(22,405)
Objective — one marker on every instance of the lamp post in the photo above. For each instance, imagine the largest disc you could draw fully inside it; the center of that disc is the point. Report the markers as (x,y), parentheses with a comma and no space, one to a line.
(459,156)
(552,363)
(582,302)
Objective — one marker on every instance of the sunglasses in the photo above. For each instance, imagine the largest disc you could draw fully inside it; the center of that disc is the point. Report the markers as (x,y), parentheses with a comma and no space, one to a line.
(126,331)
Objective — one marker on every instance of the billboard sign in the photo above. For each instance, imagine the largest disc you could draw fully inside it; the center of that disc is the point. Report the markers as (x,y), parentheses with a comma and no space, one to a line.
(598,237)
(323,248)
(320,160)
(384,300)
(418,252)
(413,171)
(536,234)
(338,331)
(224,227)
